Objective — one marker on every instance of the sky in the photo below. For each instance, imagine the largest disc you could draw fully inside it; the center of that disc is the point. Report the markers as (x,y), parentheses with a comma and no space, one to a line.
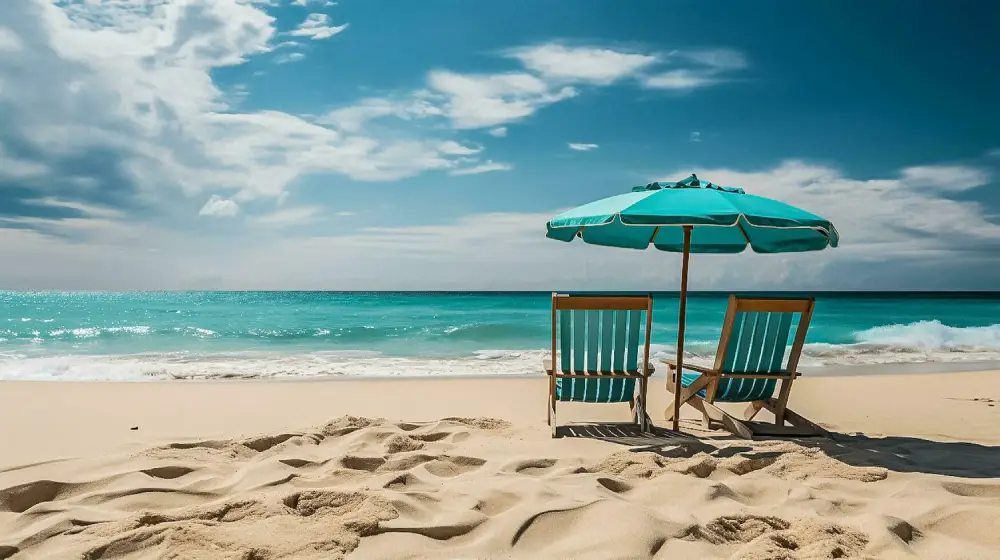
(423,145)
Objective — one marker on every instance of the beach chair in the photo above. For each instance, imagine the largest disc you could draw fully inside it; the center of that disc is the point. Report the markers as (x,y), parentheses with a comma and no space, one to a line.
(596,352)
(749,362)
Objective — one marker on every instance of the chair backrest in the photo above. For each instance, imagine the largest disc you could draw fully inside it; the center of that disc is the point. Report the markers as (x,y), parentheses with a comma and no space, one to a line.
(755,335)
(600,334)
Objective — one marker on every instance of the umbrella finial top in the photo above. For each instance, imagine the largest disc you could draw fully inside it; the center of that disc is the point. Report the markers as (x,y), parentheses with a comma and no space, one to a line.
(692,182)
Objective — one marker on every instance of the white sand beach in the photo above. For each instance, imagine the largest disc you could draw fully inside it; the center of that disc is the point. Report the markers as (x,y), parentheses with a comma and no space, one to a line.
(466,468)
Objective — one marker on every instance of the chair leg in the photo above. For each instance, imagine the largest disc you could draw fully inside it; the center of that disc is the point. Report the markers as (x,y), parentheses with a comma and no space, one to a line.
(552,404)
(552,413)
(644,423)
(640,413)
(752,410)
(687,394)
(782,404)
(720,416)
(796,419)
(706,420)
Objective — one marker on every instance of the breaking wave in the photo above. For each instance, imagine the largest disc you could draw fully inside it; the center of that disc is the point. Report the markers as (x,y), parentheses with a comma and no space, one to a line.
(917,342)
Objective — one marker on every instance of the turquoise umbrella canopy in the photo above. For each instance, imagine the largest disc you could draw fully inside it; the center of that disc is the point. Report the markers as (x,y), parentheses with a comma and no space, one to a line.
(693,216)
(724,220)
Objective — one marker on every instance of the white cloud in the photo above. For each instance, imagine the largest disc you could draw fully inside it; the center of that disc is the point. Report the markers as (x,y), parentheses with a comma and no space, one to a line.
(594,65)
(219,207)
(88,209)
(700,68)
(719,59)
(318,2)
(882,219)
(455,149)
(290,57)
(317,27)
(554,73)
(483,100)
(287,217)
(9,41)
(136,79)
(491,251)
(353,118)
(551,73)
(582,147)
(994,152)
(346,214)
(696,136)
(682,79)
(133,81)
(17,168)
(945,177)
(486,167)
(893,237)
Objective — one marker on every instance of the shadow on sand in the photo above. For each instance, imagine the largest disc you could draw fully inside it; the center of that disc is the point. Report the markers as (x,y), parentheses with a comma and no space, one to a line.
(659,440)
(895,453)
(916,455)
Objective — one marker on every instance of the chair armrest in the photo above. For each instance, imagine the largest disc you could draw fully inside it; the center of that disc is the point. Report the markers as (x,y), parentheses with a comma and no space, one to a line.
(547,367)
(672,364)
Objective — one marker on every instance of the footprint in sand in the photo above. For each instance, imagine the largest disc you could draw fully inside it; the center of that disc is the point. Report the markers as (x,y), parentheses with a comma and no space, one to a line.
(496,503)
(447,467)
(211,444)
(435,436)
(534,467)
(168,472)
(370,464)
(773,537)
(18,499)
(263,443)
(298,463)
(404,481)
(400,443)
(972,490)
(614,485)
(976,524)
(983,400)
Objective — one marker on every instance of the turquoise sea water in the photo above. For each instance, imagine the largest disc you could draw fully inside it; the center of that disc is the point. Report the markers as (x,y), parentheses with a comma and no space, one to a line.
(143,335)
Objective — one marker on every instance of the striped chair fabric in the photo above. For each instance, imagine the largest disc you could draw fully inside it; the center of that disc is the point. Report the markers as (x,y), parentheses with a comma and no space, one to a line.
(595,342)
(758,344)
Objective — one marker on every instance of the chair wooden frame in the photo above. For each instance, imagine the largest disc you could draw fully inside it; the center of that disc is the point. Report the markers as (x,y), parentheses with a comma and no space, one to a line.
(710,377)
(562,302)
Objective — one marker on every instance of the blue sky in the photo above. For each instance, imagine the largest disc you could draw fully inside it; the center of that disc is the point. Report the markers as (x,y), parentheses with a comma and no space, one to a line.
(376,144)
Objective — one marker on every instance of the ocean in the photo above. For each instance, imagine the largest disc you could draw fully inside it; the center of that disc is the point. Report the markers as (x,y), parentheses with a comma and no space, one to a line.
(212,335)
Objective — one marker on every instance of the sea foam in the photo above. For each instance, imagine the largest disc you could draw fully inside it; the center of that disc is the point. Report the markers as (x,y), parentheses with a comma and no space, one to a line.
(919,342)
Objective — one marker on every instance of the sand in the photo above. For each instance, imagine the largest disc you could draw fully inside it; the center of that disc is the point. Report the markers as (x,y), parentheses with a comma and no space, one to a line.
(465,468)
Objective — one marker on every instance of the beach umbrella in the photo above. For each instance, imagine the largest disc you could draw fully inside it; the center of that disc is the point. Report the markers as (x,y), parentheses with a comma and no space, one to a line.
(693,216)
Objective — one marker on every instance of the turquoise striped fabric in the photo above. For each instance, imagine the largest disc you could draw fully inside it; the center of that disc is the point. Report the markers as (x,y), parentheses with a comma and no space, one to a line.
(757,344)
(735,390)
(595,390)
(594,342)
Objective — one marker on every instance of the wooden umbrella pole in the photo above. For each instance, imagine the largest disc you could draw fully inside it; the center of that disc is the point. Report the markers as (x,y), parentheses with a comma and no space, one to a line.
(680,328)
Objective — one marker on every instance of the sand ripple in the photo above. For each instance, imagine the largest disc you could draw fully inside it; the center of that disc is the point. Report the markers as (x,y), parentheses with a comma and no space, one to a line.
(481,488)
